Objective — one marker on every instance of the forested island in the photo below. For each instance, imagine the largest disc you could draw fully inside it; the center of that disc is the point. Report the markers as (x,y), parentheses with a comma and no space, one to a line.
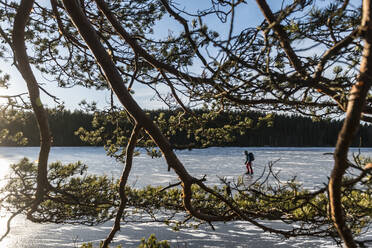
(278,130)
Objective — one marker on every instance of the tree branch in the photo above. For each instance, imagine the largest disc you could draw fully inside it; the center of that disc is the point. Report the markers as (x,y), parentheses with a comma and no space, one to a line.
(282,36)
(123,181)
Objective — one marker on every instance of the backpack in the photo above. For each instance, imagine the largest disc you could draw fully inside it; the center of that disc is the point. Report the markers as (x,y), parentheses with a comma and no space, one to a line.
(250,156)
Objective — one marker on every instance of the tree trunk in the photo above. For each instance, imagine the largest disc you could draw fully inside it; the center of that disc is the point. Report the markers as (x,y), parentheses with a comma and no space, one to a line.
(356,102)
(115,81)
(23,65)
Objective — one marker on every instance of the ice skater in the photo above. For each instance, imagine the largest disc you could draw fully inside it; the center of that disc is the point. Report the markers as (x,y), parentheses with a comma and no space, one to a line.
(249,157)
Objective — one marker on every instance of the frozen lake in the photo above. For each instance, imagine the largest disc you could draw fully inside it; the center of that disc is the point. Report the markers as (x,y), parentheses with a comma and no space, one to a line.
(310,165)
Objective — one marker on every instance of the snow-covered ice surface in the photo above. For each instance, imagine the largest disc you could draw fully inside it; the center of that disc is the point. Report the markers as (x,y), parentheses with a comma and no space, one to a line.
(310,166)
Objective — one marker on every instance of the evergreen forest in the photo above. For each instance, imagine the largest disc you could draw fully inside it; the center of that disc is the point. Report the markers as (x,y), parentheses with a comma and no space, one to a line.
(279,131)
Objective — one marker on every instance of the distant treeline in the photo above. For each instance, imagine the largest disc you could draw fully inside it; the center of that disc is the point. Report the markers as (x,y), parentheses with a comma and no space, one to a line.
(285,131)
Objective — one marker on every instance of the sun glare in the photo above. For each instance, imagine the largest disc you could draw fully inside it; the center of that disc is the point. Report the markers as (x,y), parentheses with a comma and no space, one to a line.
(3,99)
(4,170)
(4,91)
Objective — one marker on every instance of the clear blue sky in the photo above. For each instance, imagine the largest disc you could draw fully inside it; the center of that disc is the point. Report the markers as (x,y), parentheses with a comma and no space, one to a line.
(247,16)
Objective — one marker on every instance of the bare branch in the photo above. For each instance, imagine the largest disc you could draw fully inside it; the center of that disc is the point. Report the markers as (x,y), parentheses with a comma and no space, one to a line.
(123,181)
